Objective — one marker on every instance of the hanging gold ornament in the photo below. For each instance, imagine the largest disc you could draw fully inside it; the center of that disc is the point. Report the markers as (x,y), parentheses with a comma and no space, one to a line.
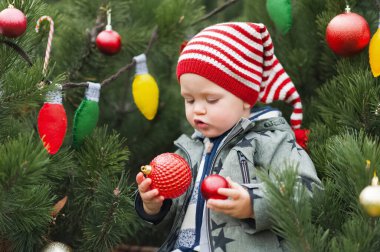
(144,89)
(56,247)
(370,197)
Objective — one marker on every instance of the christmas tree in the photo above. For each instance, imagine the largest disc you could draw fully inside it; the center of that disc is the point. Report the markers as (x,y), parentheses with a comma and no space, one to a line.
(82,195)
(70,148)
(340,97)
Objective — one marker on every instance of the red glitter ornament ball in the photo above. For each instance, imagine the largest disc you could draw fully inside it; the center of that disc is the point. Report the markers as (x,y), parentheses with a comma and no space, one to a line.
(170,174)
(12,22)
(347,34)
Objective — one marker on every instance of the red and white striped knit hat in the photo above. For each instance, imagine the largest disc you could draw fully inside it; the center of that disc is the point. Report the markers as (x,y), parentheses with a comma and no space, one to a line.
(240,58)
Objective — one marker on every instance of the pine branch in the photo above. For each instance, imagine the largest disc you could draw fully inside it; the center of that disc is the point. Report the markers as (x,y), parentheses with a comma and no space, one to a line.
(91,39)
(18,49)
(215,11)
(112,209)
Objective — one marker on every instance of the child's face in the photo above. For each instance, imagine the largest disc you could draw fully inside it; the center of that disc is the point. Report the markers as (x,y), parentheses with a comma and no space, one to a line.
(210,109)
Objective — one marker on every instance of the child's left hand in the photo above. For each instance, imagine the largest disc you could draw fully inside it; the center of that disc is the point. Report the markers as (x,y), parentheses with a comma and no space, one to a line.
(238,204)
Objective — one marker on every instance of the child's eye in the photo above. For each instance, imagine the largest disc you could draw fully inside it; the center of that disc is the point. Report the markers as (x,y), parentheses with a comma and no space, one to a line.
(212,101)
(189,101)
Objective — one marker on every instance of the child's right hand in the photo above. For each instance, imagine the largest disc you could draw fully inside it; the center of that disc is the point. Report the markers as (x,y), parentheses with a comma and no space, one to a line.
(152,201)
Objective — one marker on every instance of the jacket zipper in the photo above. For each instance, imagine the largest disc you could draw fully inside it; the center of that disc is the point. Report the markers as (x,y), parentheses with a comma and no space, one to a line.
(188,198)
(212,165)
(243,167)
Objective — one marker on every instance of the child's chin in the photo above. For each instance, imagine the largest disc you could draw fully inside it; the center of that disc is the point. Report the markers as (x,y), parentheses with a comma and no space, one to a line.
(210,134)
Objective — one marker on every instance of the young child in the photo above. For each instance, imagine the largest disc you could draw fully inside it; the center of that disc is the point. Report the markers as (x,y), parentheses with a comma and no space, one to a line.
(223,71)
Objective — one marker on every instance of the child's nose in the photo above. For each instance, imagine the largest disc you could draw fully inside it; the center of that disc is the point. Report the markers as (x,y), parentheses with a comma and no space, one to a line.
(199,108)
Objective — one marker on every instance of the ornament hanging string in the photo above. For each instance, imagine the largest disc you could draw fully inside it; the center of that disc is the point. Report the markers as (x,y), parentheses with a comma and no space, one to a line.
(50,38)
(109,27)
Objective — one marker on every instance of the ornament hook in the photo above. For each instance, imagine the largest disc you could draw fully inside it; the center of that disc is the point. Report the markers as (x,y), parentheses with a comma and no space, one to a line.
(146,169)
(108,26)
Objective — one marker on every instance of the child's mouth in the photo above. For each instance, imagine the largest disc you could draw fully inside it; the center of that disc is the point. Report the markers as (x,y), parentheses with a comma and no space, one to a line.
(200,124)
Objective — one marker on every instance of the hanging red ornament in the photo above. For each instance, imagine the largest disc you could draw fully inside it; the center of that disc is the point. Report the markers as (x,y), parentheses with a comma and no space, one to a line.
(210,186)
(52,122)
(12,22)
(347,33)
(87,115)
(108,41)
(183,45)
(170,174)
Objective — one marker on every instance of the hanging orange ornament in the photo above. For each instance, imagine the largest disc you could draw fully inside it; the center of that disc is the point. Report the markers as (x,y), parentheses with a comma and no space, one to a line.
(374,52)
(52,121)
(145,89)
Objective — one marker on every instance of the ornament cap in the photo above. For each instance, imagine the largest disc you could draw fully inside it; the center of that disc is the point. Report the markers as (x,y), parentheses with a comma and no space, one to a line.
(54,96)
(141,67)
(93,91)
(347,9)
(146,169)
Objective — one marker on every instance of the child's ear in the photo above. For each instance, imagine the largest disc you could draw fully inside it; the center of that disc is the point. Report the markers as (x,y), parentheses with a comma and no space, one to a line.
(246,105)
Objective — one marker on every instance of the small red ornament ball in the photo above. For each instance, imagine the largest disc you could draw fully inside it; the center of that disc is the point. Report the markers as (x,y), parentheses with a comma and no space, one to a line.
(12,22)
(108,42)
(347,34)
(170,174)
(210,186)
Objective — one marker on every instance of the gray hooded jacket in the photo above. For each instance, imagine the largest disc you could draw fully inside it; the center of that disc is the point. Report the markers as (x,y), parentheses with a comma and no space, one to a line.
(250,146)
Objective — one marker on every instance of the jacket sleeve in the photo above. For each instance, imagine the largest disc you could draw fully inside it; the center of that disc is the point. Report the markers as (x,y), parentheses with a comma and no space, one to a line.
(274,150)
(153,219)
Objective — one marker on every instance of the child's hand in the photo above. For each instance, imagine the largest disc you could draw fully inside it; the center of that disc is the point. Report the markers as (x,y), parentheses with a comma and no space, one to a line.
(238,204)
(152,201)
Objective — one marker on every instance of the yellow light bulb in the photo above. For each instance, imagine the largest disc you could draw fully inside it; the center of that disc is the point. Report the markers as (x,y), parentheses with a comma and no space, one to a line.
(145,89)
(146,94)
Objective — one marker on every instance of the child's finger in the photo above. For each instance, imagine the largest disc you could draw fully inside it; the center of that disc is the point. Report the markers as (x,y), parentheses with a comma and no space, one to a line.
(139,178)
(231,193)
(144,186)
(220,205)
(149,195)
